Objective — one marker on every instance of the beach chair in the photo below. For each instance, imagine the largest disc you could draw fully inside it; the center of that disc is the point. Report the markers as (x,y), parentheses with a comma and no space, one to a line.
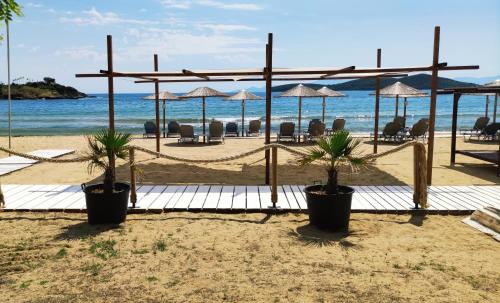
(491,132)
(287,132)
(173,129)
(338,124)
(418,130)
(391,132)
(232,129)
(316,130)
(149,129)
(187,134)
(215,131)
(478,127)
(401,121)
(254,128)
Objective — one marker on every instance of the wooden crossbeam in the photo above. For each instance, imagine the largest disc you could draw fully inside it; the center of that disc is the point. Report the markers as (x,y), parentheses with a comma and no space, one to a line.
(188,72)
(349,68)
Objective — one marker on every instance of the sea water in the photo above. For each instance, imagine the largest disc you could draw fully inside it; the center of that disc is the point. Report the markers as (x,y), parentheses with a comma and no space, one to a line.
(84,116)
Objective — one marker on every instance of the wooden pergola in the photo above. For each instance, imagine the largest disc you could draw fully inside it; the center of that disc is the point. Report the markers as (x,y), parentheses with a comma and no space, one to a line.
(491,156)
(270,74)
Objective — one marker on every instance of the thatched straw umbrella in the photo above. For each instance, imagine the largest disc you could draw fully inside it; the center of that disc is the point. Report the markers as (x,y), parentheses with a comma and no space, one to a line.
(164,96)
(204,92)
(243,95)
(399,89)
(495,83)
(301,91)
(327,92)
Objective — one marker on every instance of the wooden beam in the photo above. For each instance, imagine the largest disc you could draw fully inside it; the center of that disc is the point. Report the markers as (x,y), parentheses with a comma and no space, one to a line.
(456,98)
(268,76)
(157,106)
(377,102)
(111,95)
(338,72)
(432,114)
(495,104)
(190,73)
(487,105)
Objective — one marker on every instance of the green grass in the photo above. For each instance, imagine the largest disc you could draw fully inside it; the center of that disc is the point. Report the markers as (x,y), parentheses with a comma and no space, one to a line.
(93,268)
(103,249)
(61,253)
(160,245)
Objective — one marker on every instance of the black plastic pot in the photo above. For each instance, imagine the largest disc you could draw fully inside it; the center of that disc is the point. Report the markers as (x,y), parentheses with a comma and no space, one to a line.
(105,208)
(330,212)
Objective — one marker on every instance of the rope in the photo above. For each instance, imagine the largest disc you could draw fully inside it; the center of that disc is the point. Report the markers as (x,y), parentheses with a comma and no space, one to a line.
(391,151)
(44,159)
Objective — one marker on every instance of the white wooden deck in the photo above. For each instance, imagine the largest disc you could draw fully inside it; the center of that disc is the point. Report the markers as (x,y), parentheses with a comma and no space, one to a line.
(228,198)
(15,163)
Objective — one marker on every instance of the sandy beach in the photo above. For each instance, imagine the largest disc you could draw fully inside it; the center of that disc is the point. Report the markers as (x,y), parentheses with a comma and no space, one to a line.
(396,169)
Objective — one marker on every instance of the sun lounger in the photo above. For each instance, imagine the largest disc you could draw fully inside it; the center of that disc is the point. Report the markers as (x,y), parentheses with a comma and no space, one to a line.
(187,134)
(149,129)
(287,132)
(401,121)
(338,124)
(316,130)
(478,127)
(254,128)
(215,132)
(391,132)
(232,129)
(173,129)
(491,132)
(418,130)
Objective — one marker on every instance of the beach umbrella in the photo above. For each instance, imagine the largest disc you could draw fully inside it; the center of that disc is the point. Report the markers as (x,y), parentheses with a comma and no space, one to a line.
(204,92)
(327,92)
(495,83)
(399,89)
(243,95)
(301,91)
(164,96)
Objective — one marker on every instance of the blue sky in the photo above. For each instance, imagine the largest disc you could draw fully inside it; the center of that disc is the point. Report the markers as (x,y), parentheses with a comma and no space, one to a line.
(61,38)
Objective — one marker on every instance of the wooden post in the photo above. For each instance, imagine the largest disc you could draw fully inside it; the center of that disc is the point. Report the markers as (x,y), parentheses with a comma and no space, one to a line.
(243,117)
(268,75)
(397,105)
(324,105)
(495,108)
(274,183)
(133,194)
(164,119)
(377,102)
(300,116)
(405,105)
(111,96)
(432,114)
(419,175)
(456,98)
(416,179)
(487,105)
(157,106)
(203,105)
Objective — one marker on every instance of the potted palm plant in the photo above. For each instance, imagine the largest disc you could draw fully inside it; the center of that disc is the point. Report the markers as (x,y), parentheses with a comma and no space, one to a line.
(107,202)
(329,205)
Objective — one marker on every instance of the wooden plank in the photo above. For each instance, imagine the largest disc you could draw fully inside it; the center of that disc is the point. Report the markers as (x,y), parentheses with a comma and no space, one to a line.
(226,198)
(391,198)
(239,197)
(51,153)
(299,196)
(79,202)
(265,197)
(290,197)
(150,197)
(445,198)
(213,197)
(175,192)
(141,194)
(186,197)
(461,195)
(162,199)
(49,192)
(370,203)
(434,199)
(253,200)
(486,196)
(468,193)
(282,199)
(9,168)
(406,193)
(64,198)
(26,195)
(200,197)
(16,160)
(10,196)
(9,187)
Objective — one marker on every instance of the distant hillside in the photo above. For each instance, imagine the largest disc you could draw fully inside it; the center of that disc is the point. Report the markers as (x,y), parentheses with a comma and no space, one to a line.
(420,81)
(46,89)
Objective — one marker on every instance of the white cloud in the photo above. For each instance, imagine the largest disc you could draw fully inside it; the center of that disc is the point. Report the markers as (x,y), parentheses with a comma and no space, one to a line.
(51,10)
(233,6)
(226,27)
(94,17)
(35,5)
(180,4)
(86,52)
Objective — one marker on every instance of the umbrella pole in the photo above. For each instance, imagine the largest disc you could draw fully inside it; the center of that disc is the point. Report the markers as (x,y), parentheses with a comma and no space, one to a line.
(495,108)
(397,105)
(203,98)
(323,116)
(487,105)
(300,115)
(164,119)
(406,103)
(242,117)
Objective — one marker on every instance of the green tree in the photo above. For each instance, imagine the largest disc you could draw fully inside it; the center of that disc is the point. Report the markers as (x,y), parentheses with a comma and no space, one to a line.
(9,8)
